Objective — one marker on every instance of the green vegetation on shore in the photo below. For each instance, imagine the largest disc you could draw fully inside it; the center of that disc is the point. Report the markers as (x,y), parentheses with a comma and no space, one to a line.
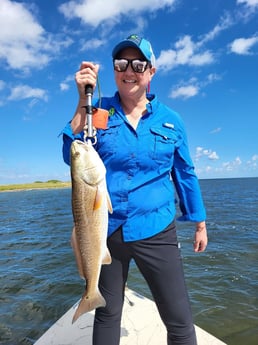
(35,185)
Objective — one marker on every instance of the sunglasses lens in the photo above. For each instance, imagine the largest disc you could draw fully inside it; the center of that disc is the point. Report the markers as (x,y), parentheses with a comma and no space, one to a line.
(120,65)
(139,66)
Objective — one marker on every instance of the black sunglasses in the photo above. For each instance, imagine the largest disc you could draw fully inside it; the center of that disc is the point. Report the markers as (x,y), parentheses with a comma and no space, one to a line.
(138,66)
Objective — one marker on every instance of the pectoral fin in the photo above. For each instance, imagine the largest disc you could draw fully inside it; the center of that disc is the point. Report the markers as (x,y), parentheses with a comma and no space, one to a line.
(109,204)
(98,199)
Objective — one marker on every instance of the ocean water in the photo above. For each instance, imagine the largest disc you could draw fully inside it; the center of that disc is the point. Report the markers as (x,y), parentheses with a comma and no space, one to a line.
(39,279)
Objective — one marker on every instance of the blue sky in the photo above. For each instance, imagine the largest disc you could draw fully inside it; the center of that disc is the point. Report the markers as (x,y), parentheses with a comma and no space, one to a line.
(207,70)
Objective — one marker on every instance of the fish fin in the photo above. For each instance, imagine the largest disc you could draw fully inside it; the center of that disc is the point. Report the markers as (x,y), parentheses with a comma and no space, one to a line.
(106,260)
(77,253)
(109,204)
(98,199)
(88,303)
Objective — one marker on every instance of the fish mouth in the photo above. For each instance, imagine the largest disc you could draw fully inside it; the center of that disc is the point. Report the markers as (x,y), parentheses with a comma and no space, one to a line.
(75,146)
(81,143)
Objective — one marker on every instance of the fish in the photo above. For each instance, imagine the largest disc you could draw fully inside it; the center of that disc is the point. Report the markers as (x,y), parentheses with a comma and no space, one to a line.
(90,207)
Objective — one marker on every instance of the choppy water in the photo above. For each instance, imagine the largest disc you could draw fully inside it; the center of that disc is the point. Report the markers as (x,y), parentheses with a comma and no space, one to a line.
(39,279)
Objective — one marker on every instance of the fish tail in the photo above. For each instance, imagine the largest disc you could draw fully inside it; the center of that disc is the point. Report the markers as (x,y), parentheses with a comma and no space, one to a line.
(88,303)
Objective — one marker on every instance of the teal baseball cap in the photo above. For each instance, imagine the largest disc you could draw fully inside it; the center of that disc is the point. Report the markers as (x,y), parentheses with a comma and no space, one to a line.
(136,42)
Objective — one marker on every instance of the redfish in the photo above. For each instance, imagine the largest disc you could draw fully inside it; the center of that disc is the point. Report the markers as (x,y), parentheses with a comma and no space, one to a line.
(90,207)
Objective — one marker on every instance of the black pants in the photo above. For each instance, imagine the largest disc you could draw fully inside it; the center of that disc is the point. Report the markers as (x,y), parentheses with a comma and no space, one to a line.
(158,259)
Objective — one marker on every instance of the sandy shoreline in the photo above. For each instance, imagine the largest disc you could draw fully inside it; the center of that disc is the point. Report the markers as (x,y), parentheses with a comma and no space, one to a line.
(31,186)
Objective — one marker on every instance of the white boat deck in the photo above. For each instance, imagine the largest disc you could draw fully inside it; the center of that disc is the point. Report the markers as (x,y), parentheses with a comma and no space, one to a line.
(141,325)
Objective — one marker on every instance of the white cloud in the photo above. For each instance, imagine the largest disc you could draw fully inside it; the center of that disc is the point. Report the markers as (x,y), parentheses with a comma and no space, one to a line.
(202,152)
(215,130)
(92,44)
(242,46)
(167,60)
(64,87)
(237,161)
(186,52)
(201,59)
(24,92)
(248,9)
(235,167)
(65,84)
(213,155)
(192,87)
(95,12)
(24,42)
(225,22)
(248,2)
(231,165)
(213,77)
(253,162)
(191,53)
(184,92)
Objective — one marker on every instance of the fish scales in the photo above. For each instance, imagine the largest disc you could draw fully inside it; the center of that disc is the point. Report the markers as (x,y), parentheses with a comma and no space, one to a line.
(90,206)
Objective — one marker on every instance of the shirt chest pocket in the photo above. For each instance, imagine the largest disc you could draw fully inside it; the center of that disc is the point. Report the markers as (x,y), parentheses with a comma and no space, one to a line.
(107,139)
(164,142)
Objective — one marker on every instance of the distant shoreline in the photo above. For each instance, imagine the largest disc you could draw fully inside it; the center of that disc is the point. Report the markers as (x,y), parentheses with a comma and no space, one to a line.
(34,185)
(52,184)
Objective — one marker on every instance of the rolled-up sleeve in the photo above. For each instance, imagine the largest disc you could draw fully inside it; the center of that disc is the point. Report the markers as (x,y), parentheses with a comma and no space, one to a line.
(187,184)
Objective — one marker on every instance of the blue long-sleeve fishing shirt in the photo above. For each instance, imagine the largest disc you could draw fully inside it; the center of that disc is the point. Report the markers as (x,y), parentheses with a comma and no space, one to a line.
(142,165)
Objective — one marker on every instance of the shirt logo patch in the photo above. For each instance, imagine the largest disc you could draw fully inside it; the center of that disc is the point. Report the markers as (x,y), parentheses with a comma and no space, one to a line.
(111,111)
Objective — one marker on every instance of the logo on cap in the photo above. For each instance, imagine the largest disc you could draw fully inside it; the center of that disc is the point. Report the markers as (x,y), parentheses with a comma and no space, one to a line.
(135,38)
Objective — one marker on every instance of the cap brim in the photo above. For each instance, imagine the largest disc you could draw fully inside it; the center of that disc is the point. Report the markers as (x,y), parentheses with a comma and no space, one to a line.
(123,45)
